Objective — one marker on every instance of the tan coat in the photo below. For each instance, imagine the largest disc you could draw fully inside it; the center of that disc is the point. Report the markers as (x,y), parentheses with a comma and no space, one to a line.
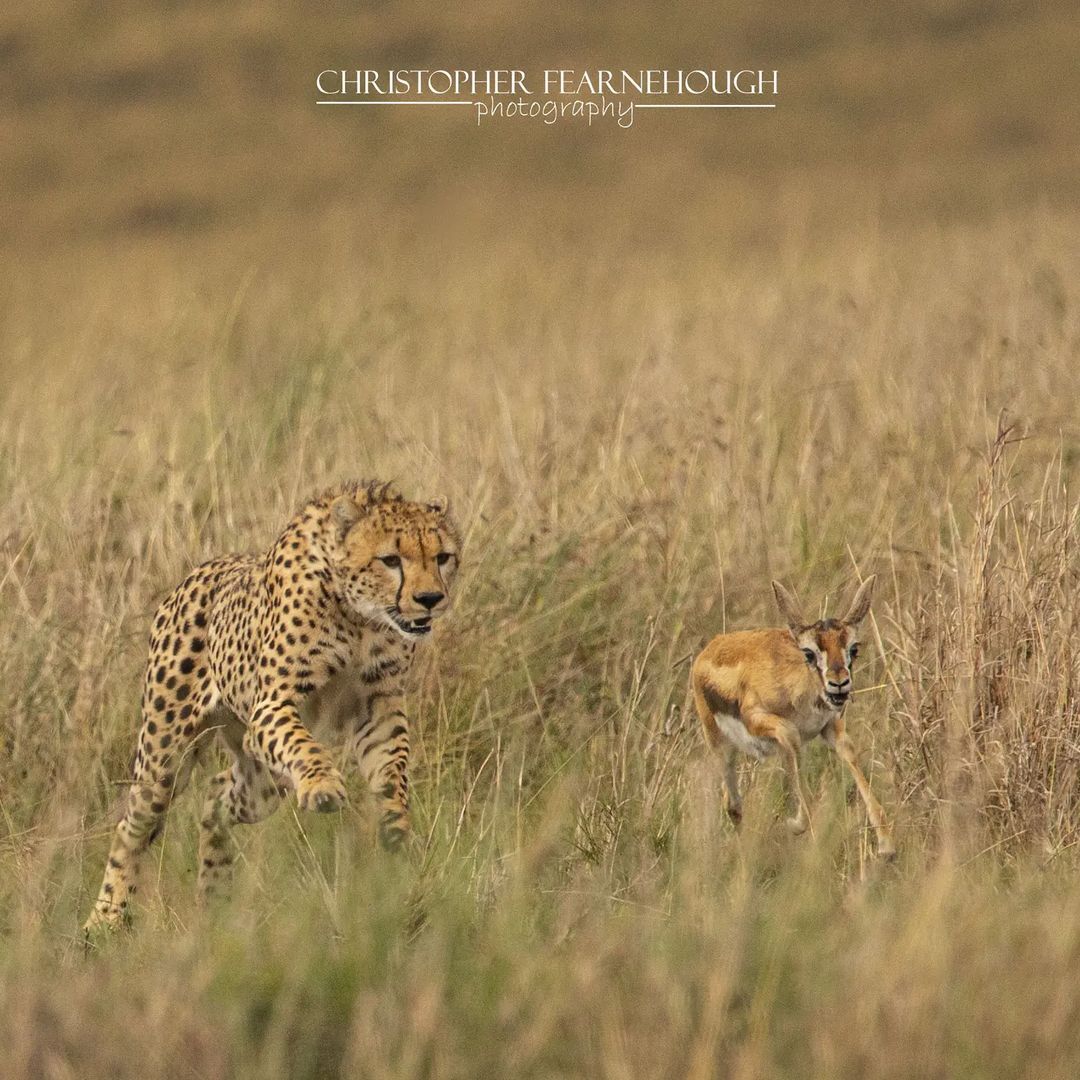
(769,691)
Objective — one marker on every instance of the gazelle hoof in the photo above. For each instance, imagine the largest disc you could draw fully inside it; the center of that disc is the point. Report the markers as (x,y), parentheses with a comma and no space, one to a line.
(797,826)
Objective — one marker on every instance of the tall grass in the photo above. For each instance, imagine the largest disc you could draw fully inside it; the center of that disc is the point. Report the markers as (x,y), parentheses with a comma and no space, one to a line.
(630,463)
(652,370)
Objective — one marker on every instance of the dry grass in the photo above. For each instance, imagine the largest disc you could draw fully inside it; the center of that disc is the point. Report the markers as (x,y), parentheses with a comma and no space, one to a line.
(649,384)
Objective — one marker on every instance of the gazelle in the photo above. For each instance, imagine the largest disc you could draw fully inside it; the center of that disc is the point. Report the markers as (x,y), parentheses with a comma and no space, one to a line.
(769,691)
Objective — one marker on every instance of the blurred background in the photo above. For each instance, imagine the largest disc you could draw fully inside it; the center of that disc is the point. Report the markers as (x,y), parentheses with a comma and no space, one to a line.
(194,122)
(652,368)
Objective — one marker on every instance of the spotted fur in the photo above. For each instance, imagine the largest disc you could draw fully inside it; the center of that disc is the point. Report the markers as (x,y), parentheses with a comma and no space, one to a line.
(258,649)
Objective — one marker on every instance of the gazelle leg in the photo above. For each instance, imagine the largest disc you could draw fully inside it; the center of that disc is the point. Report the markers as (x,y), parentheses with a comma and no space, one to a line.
(786,737)
(839,742)
(730,781)
(729,778)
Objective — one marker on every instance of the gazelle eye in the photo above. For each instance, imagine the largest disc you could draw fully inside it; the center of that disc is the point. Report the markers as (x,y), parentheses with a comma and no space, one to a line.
(393,561)
(811,657)
(443,558)
(853,652)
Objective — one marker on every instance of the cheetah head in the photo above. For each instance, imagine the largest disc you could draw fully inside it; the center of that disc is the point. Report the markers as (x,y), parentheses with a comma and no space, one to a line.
(394,560)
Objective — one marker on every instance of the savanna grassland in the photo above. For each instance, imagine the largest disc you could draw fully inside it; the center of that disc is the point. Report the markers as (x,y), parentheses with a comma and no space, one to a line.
(652,369)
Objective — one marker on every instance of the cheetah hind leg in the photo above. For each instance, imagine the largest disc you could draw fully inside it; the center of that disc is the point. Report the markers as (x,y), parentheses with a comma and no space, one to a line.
(160,775)
(241,795)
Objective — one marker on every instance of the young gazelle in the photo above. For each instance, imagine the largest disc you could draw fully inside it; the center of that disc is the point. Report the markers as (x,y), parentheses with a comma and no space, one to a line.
(769,691)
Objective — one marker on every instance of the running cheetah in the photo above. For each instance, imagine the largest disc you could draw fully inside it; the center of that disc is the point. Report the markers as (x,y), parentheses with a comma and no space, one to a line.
(258,648)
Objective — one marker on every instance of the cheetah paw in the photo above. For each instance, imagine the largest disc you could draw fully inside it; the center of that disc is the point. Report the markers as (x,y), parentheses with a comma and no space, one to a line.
(393,834)
(103,925)
(324,794)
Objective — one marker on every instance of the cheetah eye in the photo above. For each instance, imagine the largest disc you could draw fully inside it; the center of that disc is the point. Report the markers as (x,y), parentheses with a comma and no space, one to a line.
(811,657)
(443,557)
(393,561)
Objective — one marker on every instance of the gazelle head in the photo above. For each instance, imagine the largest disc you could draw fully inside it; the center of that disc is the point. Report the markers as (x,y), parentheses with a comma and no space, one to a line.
(829,645)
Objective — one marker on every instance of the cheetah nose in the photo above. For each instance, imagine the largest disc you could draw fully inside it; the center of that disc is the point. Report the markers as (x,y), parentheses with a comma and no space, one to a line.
(428,599)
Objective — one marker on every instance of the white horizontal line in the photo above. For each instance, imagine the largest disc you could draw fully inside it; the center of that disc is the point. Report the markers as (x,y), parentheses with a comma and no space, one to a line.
(637,105)
(696,106)
(356,101)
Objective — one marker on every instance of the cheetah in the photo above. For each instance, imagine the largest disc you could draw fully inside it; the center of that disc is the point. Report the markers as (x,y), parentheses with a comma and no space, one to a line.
(258,649)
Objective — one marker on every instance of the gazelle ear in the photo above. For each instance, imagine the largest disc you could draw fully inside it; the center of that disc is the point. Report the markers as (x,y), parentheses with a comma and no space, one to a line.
(789,609)
(860,604)
(345,513)
(440,504)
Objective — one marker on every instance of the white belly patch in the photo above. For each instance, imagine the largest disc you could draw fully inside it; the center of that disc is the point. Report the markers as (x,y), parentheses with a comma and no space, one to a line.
(735,732)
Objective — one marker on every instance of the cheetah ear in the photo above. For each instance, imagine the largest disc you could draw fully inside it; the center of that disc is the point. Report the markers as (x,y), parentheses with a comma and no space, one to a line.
(345,513)
(439,505)
(789,609)
(860,603)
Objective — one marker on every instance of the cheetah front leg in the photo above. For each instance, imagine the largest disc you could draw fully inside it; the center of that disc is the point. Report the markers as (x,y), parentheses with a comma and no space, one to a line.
(381,747)
(278,737)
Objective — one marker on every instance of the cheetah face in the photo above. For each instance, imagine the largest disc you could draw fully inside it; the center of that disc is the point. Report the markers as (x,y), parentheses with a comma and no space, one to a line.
(396,563)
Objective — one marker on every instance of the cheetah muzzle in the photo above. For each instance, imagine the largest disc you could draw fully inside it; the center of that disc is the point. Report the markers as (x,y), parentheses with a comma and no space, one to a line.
(418,627)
